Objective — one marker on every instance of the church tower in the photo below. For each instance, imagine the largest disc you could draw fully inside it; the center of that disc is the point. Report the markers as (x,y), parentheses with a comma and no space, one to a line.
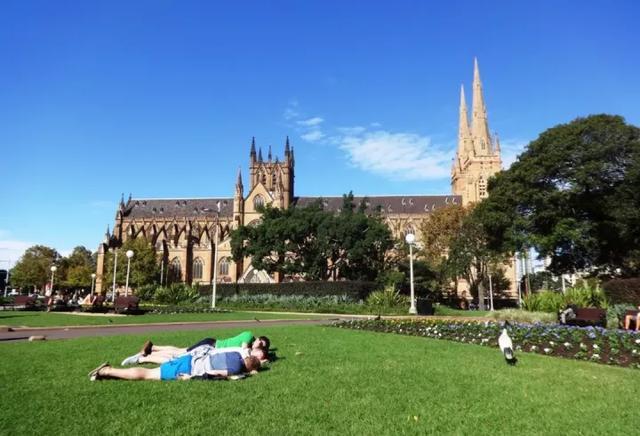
(478,154)
(276,176)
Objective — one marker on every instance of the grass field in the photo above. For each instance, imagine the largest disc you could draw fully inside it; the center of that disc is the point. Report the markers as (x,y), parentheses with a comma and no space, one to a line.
(45,319)
(327,381)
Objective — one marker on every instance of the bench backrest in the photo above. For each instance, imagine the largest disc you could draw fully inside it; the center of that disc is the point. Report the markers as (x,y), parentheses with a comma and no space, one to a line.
(127,302)
(24,300)
(592,313)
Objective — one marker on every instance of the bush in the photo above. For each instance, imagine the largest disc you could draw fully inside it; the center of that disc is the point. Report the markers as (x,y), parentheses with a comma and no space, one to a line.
(547,301)
(146,292)
(387,299)
(177,293)
(353,289)
(623,291)
(297,303)
(615,315)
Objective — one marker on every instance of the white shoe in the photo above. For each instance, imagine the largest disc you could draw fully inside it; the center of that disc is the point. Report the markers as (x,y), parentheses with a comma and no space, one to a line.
(131,360)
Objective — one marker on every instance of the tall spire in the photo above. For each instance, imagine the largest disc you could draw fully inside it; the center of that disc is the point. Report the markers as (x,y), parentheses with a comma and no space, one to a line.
(260,154)
(464,135)
(479,127)
(269,155)
(252,153)
(239,181)
(287,148)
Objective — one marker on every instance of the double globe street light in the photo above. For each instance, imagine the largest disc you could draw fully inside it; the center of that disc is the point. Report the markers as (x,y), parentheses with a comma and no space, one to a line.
(411,239)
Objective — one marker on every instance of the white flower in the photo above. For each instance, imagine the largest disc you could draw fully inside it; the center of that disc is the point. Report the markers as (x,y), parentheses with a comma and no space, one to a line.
(583,346)
(595,346)
(547,350)
(567,344)
(552,343)
(637,341)
(595,356)
(534,348)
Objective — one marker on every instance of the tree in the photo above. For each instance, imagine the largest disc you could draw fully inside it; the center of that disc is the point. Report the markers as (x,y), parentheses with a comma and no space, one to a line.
(471,258)
(438,234)
(33,270)
(80,265)
(315,243)
(573,195)
(144,263)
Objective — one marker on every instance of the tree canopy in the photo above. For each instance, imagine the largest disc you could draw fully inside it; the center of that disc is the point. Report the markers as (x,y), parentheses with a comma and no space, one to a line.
(315,243)
(34,267)
(144,264)
(573,195)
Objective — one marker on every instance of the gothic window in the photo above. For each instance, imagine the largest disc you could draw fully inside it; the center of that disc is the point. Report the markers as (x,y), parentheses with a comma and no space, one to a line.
(409,229)
(264,180)
(258,201)
(273,180)
(482,188)
(175,270)
(197,268)
(223,269)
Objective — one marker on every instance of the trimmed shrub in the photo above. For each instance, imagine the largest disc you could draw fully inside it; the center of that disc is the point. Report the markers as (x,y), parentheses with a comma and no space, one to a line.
(353,289)
(177,293)
(623,291)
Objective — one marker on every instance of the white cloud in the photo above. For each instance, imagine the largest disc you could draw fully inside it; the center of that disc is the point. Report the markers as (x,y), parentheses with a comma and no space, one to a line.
(11,251)
(398,156)
(291,111)
(510,149)
(312,136)
(314,121)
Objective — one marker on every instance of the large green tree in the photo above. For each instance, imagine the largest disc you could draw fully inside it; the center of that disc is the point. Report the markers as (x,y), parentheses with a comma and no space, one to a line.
(315,243)
(33,270)
(144,264)
(573,195)
(79,267)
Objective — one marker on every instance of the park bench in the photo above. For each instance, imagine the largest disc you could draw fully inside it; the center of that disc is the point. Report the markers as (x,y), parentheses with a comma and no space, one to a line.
(126,304)
(586,316)
(24,302)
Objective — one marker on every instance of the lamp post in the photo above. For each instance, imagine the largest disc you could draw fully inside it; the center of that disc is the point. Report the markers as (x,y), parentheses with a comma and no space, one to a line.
(115,270)
(93,283)
(411,239)
(126,286)
(215,271)
(53,275)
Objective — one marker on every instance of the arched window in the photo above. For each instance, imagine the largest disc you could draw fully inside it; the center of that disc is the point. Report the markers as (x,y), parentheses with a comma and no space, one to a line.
(175,270)
(224,266)
(258,201)
(274,180)
(197,268)
(264,180)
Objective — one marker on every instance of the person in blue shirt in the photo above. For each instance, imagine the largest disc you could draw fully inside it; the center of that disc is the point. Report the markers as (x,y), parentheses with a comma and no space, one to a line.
(203,364)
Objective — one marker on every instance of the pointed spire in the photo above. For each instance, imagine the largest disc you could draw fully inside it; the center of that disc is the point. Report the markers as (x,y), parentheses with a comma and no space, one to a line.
(239,181)
(269,155)
(252,153)
(129,200)
(108,232)
(260,154)
(464,135)
(287,148)
(479,125)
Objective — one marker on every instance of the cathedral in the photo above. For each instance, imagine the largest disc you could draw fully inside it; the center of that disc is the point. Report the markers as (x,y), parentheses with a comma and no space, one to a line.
(185,231)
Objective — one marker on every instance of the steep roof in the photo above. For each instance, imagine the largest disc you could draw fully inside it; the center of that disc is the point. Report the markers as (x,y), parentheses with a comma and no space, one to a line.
(179,208)
(390,204)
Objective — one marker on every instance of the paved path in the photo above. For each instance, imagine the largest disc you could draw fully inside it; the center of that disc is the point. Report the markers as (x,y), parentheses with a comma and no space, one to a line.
(23,333)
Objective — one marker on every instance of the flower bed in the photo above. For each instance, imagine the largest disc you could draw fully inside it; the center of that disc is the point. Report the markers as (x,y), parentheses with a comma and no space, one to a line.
(613,347)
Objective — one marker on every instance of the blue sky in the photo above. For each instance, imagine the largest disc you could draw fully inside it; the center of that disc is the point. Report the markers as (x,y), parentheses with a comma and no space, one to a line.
(161,98)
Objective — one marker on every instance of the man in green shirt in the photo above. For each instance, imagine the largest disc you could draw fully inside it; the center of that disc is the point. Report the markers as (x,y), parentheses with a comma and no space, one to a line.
(163,353)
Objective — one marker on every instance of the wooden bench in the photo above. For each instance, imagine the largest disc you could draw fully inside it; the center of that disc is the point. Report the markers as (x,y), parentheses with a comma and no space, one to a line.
(24,302)
(96,306)
(127,304)
(586,316)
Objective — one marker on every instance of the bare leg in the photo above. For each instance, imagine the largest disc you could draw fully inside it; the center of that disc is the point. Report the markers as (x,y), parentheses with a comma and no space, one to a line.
(131,373)
(160,357)
(168,348)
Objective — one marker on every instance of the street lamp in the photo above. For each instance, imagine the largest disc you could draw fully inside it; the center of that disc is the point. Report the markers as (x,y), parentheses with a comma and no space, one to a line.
(411,239)
(115,271)
(126,286)
(214,282)
(93,282)
(53,274)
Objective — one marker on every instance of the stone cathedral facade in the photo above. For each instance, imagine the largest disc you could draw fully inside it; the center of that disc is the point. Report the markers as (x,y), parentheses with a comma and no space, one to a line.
(184,231)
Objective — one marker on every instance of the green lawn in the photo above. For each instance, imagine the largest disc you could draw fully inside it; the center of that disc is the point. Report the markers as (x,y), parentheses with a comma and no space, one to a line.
(44,319)
(327,381)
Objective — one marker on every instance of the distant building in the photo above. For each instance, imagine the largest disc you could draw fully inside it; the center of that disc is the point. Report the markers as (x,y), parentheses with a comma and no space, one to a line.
(184,230)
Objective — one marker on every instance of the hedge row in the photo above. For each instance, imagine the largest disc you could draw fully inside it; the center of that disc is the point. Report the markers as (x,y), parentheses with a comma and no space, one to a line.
(354,290)
(623,291)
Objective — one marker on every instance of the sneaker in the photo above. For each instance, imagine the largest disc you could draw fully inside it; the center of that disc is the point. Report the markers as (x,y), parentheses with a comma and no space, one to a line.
(95,374)
(146,348)
(131,360)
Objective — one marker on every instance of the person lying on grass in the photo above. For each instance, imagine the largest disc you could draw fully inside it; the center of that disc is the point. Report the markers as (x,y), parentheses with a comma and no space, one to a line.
(202,365)
(151,353)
